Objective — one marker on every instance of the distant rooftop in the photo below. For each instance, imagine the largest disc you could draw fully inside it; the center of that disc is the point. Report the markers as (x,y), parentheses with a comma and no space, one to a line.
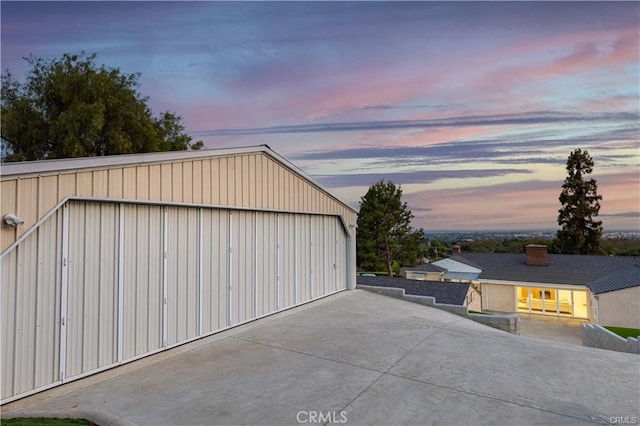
(562,268)
(443,292)
(426,267)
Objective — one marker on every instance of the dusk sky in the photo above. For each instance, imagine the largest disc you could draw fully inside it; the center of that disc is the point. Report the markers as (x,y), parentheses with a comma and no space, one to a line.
(472,107)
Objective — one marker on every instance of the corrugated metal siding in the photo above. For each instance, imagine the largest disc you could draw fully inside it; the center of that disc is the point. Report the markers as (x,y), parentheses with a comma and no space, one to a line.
(222,267)
(92,288)
(341,258)
(249,180)
(242,266)
(303,258)
(142,310)
(182,280)
(287,256)
(266,264)
(318,272)
(30,301)
(215,269)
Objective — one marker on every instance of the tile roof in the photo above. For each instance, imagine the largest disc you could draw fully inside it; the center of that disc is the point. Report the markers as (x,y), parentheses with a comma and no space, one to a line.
(562,268)
(443,292)
(625,278)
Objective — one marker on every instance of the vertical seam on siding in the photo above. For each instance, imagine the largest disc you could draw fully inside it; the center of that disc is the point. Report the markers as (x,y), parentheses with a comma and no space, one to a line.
(255,264)
(121,283)
(165,226)
(200,267)
(230,271)
(295,260)
(277,261)
(64,292)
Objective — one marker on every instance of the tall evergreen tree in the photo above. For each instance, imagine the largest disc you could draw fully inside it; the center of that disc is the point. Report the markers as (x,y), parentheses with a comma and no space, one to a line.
(580,233)
(384,229)
(73,107)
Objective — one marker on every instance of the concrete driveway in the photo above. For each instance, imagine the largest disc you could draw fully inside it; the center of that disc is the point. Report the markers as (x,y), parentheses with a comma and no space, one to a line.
(359,358)
(557,329)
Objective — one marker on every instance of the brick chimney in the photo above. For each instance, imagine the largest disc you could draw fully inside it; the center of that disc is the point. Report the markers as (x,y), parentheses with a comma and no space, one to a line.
(457,249)
(536,255)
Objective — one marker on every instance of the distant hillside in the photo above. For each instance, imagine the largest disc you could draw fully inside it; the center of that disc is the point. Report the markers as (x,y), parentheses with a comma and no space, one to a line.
(441,244)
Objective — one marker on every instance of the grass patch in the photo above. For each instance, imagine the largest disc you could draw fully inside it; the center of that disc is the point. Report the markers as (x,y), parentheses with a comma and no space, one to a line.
(43,421)
(479,313)
(624,332)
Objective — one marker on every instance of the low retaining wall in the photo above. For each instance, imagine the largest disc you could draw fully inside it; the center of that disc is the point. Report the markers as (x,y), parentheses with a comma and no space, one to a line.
(509,322)
(596,336)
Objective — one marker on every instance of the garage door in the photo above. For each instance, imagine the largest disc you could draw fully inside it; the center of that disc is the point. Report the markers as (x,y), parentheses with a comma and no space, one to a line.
(99,284)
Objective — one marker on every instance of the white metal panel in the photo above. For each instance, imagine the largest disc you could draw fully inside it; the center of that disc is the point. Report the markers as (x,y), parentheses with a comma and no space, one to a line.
(8,325)
(92,288)
(317,259)
(25,316)
(200,268)
(120,291)
(303,258)
(142,289)
(331,236)
(30,310)
(266,263)
(215,275)
(287,260)
(48,301)
(242,266)
(182,279)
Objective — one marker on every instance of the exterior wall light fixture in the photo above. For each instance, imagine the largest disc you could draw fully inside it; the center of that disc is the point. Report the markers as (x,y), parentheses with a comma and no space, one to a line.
(12,220)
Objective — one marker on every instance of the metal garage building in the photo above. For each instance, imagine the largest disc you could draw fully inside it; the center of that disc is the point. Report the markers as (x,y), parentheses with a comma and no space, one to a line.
(121,257)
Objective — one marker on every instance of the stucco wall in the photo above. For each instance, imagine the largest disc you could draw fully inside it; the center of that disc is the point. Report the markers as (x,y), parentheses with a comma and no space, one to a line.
(620,308)
(476,300)
(499,298)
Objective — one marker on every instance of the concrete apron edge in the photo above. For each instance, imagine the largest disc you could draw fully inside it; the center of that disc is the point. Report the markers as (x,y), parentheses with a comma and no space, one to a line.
(22,405)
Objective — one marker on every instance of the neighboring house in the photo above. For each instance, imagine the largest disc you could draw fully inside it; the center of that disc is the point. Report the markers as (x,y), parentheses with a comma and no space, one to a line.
(548,284)
(424,272)
(458,268)
(461,294)
(616,298)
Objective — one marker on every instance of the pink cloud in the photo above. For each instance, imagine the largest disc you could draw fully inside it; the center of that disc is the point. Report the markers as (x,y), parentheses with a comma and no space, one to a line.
(615,103)
(594,53)
(521,205)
